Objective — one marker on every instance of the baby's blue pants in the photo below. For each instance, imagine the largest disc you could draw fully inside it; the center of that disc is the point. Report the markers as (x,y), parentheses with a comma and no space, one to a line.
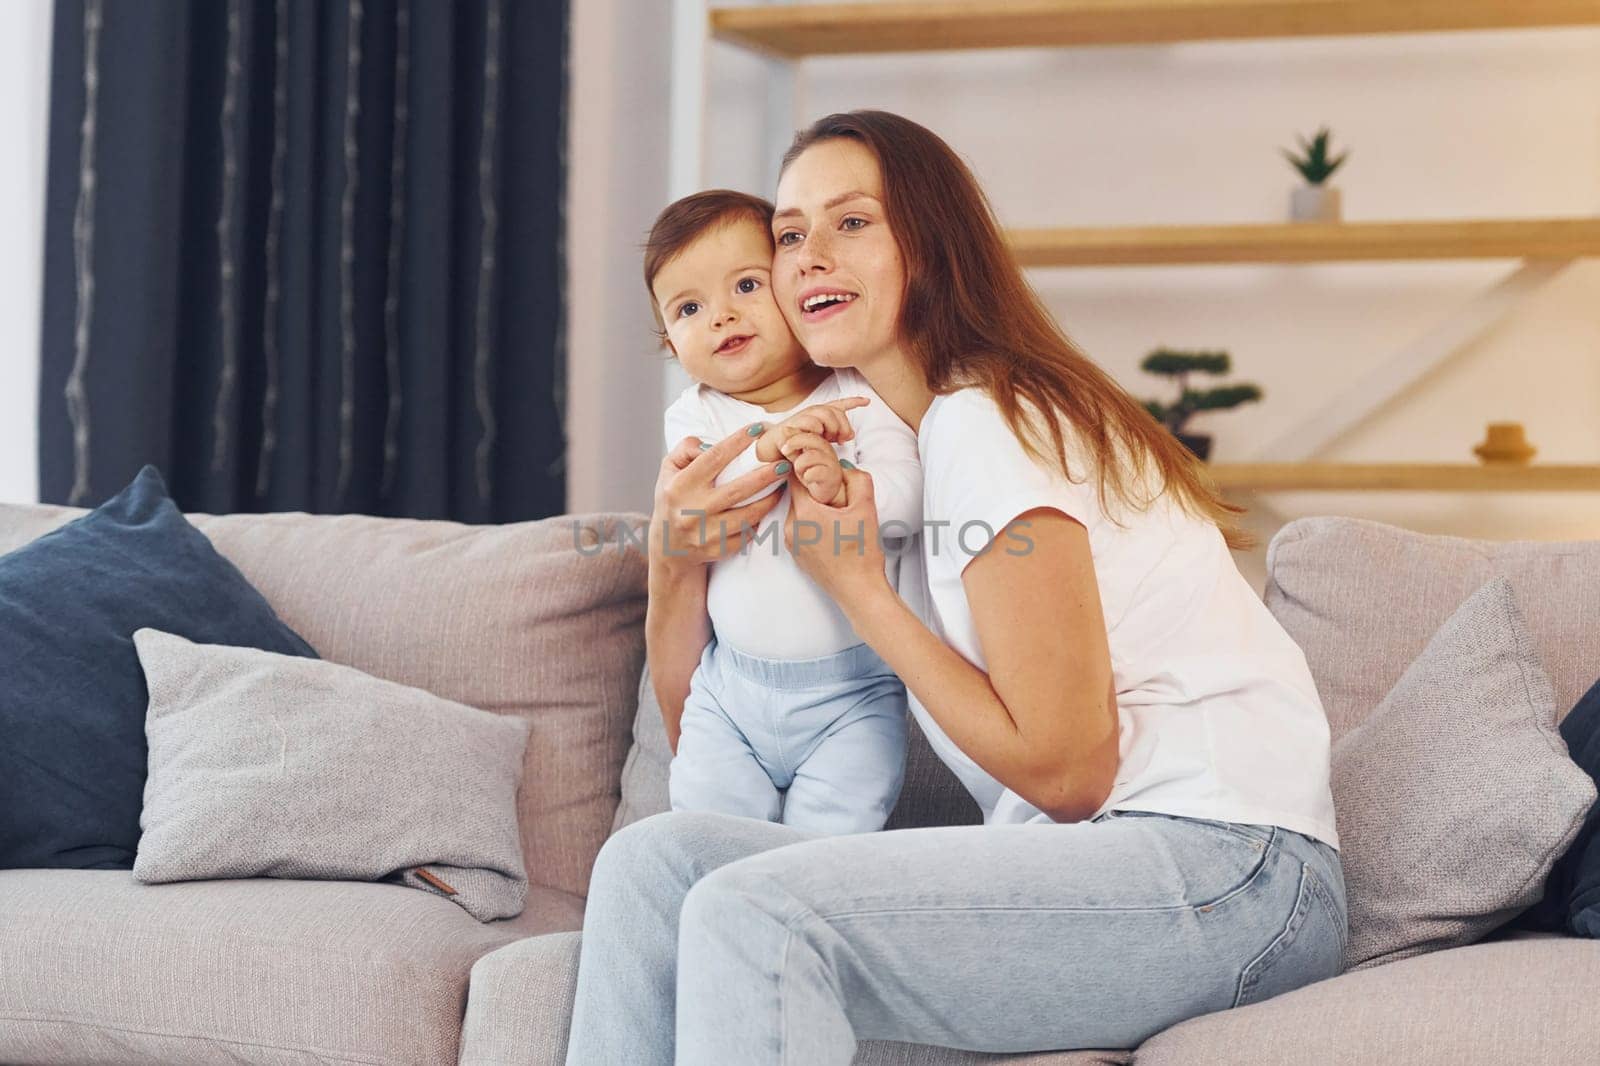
(817,744)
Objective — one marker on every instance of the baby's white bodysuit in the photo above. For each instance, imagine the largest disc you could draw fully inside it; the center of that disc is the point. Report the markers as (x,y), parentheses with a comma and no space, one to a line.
(759,600)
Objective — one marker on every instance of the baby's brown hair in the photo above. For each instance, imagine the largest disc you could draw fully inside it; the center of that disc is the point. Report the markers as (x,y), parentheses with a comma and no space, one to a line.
(686,221)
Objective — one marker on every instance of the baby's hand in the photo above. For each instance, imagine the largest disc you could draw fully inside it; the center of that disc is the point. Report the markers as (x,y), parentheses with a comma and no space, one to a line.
(817,467)
(826,420)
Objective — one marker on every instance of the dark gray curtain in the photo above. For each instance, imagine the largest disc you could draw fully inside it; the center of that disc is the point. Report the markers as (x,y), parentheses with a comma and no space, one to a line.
(307,255)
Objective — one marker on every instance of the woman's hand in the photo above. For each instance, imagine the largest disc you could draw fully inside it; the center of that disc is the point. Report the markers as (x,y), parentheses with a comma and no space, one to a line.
(694,521)
(838,547)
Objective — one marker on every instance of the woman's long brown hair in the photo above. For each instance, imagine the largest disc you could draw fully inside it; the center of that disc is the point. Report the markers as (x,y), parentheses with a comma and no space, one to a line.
(969,317)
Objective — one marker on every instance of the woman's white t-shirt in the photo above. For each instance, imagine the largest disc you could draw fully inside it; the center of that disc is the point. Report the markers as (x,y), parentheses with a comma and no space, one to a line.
(1219,715)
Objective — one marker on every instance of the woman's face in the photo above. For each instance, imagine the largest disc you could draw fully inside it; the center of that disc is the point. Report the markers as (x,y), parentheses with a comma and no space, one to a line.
(837,272)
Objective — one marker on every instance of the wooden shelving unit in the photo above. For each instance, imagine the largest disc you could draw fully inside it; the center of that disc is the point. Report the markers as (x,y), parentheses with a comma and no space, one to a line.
(797,31)
(787,33)
(1301,242)
(1405,477)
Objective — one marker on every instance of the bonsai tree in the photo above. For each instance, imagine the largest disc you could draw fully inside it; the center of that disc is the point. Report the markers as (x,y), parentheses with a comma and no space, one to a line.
(1314,165)
(1169,363)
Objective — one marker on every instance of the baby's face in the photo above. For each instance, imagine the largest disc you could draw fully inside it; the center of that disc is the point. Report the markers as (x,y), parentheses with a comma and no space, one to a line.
(722,322)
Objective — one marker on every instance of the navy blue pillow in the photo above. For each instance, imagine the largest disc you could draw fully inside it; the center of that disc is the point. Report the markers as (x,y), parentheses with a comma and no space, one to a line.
(1571,902)
(72,694)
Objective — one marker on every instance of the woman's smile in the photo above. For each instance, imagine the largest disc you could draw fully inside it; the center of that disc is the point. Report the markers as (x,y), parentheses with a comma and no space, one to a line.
(819,305)
(823,312)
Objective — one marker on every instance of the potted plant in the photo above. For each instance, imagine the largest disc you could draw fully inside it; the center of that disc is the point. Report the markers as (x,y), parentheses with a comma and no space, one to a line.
(1168,363)
(1315,201)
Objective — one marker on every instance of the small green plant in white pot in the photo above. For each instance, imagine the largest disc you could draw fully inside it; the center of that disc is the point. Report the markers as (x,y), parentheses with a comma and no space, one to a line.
(1178,365)
(1316,200)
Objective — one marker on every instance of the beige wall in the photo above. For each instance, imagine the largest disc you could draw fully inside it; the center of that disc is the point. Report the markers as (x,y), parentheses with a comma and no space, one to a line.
(1481,125)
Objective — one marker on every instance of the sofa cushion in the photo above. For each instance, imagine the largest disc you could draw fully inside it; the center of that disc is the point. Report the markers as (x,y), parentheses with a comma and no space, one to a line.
(1571,900)
(520,1009)
(21,523)
(102,969)
(542,619)
(262,765)
(1456,795)
(1526,1001)
(931,794)
(520,1014)
(1362,599)
(72,763)
(644,772)
(889,1053)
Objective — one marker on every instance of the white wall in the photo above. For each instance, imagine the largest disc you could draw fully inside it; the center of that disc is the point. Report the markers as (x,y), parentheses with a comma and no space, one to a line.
(24,109)
(616,182)
(1446,126)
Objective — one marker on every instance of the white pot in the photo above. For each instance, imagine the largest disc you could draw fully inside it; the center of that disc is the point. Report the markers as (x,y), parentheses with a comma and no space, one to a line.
(1314,203)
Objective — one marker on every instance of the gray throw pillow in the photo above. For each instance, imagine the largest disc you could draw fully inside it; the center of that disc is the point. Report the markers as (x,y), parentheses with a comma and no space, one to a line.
(265,765)
(1456,795)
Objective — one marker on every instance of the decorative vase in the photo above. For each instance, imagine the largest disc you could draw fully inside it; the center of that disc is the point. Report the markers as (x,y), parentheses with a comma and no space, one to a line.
(1315,203)
(1505,442)
(1198,443)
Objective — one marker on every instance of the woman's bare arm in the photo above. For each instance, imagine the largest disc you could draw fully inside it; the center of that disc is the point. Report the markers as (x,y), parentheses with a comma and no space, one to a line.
(1035,603)
(1042,721)
(677,628)
(694,522)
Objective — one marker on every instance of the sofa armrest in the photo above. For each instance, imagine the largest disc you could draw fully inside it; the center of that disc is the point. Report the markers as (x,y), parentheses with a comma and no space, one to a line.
(519,1003)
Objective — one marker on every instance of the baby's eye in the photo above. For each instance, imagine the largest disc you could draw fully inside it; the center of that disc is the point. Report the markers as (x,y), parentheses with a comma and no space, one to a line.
(853,223)
(748,285)
(687,308)
(783,238)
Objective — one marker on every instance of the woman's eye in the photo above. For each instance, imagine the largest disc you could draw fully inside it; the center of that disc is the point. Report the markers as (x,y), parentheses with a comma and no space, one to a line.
(748,285)
(853,223)
(784,238)
(687,308)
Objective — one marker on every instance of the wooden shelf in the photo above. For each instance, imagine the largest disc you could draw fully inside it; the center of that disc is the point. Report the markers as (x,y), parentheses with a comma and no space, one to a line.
(793,31)
(1405,477)
(1308,242)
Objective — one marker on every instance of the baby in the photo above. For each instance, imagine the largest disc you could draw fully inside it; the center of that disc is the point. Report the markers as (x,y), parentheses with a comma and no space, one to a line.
(790,716)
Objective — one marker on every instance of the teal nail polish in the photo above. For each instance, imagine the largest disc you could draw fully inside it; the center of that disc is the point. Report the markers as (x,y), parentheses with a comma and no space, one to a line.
(705,447)
(756,430)
(847,464)
(783,467)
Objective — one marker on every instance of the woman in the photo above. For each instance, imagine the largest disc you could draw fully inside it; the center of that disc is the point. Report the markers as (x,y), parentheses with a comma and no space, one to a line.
(1144,740)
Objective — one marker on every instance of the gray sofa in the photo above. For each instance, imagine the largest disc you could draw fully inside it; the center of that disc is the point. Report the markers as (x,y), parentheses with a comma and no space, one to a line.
(545,620)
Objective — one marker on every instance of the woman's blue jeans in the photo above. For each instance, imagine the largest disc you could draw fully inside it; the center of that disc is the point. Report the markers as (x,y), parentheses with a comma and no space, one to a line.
(712,940)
